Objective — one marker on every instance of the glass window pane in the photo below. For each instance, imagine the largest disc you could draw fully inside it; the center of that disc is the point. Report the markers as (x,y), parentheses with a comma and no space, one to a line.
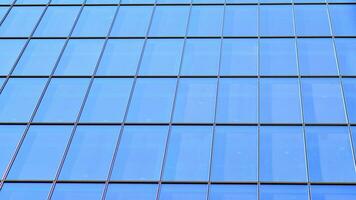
(151,95)
(80,57)
(195,101)
(239,57)
(188,153)
(10,50)
(343,19)
(138,145)
(32,1)
(276,20)
(235,154)
(240,21)
(162,57)
(235,192)
(107,100)
(330,154)
(120,57)
(170,21)
(201,57)
(350,98)
(333,192)
(75,191)
(206,21)
(66,1)
(39,58)
(322,101)
(284,192)
(94,21)
(3,2)
(18,106)
(311,20)
(40,153)
(62,93)
(278,57)
(132,21)
(131,191)
(91,144)
(138,1)
(58,21)
(3,11)
(183,191)
(237,100)
(345,49)
(28,191)
(279,100)
(102,1)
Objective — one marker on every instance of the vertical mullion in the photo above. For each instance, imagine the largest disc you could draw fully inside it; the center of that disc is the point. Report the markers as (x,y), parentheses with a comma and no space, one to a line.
(258,99)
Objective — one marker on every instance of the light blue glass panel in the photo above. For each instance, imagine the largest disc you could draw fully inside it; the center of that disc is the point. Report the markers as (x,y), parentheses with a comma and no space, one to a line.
(235,192)
(131,192)
(107,100)
(75,191)
(39,57)
(235,154)
(102,1)
(278,57)
(25,191)
(330,154)
(237,100)
(170,21)
(183,191)
(67,1)
(311,20)
(90,153)
(62,93)
(10,50)
(8,2)
(343,19)
(276,20)
(345,51)
(57,21)
(32,1)
(188,153)
(322,101)
(40,153)
(138,1)
(201,57)
(241,1)
(18,106)
(239,57)
(206,21)
(152,95)
(241,21)
(162,57)
(173,1)
(282,152)
(121,57)
(132,21)
(280,100)
(350,98)
(21,21)
(333,192)
(353,131)
(3,10)
(284,192)
(80,57)
(195,101)
(316,57)
(140,145)
(94,21)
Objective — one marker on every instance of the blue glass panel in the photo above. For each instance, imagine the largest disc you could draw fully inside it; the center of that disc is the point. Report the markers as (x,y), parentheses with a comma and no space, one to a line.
(353,131)
(66,1)
(25,191)
(278,57)
(183,191)
(80,57)
(62,93)
(173,1)
(57,21)
(201,57)
(102,1)
(316,57)
(322,101)
(241,1)
(311,20)
(75,191)
(206,21)
(138,145)
(240,21)
(195,101)
(239,57)
(24,17)
(32,1)
(138,1)
(235,154)
(121,57)
(284,192)
(350,98)
(90,153)
(343,19)
(132,21)
(131,192)
(3,11)
(235,192)
(237,100)
(10,50)
(330,154)
(39,58)
(276,20)
(6,2)
(188,153)
(151,95)
(107,100)
(18,106)
(333,192)
(170,21)
(40,153)
(162,57)
(345,49)
(279,100)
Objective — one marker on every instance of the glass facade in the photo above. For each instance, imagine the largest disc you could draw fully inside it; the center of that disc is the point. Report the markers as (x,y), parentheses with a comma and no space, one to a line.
(178,99)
